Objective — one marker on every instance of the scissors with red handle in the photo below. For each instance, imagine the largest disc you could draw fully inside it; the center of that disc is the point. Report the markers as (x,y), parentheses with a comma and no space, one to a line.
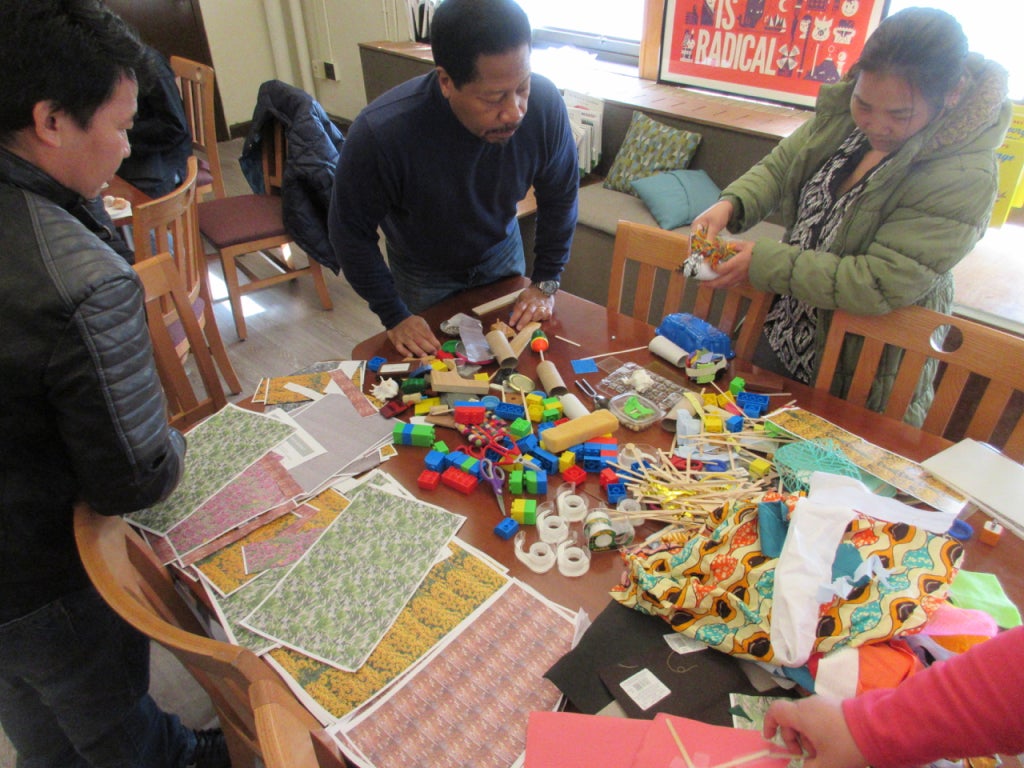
(495,475)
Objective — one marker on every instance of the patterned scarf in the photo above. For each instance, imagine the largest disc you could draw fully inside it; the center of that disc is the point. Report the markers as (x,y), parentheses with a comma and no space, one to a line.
(791,324)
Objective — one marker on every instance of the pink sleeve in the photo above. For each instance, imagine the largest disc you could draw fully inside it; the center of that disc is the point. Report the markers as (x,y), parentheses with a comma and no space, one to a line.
(967,706)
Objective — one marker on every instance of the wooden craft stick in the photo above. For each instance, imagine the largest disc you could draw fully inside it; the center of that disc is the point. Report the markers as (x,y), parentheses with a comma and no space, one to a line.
(568,341)
(616,352)
(494,304)
(679,744)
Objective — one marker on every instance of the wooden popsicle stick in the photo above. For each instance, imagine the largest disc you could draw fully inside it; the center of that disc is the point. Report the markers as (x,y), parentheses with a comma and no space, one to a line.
(679,744)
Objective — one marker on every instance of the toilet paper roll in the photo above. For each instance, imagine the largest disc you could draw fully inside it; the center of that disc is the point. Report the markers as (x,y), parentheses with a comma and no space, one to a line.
(550,380)
(668,350)
(502,350)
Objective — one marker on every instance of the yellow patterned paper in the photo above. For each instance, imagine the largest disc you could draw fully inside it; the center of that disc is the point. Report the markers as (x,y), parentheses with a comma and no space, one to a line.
(277,391)
(902,473)
(452,590)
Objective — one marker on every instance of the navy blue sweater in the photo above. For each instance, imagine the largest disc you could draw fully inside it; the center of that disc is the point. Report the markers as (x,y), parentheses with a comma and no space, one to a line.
(443,195)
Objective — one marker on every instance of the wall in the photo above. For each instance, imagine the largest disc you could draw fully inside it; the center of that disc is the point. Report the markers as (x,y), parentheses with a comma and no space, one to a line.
(248,50)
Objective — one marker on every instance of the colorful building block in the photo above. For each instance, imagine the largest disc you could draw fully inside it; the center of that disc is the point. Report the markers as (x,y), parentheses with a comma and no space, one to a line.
(524,511)
(506,529)
(459,480)
(574,474)
(428,479)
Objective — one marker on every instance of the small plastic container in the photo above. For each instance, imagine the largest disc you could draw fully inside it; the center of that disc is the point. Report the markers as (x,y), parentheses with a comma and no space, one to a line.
(635,411)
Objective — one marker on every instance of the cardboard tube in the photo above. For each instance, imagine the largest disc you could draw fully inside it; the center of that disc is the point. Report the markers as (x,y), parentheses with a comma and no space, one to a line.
(502,351)
(572,407)
(556,439)
(668,350)
(550,380)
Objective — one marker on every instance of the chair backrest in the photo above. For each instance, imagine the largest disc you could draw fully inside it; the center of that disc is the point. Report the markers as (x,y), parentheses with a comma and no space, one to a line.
(275,150)
(196,84)
(646,283)
(140,589)
(980,383)
(170,224)
(286,741)
(163,287)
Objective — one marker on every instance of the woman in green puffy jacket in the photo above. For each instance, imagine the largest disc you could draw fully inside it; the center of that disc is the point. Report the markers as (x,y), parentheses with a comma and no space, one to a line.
(882,192)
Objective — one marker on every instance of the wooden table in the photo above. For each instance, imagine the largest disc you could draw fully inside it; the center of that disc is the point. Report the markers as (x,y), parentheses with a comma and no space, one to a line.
(598,331)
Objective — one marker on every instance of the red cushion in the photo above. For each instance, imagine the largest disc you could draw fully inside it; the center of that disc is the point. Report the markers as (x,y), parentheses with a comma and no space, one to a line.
(240,219)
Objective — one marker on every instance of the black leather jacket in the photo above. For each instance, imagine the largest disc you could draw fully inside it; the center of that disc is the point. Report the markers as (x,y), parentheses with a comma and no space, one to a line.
(81,407)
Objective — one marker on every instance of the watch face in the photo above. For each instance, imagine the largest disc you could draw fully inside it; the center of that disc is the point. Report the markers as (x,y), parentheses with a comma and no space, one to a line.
(549,287)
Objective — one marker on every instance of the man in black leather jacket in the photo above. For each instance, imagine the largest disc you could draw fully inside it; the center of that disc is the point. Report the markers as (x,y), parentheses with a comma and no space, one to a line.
(81,407)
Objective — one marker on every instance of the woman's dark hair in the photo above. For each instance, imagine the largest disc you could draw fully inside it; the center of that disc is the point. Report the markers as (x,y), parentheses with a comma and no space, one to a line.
(70,52)
(925,46)
(462,30)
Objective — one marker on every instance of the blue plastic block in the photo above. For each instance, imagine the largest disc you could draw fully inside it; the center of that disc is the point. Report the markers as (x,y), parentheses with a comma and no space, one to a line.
(510,411)
(734,423)
(692,333)
(436,461)
(375,363)
(615,492)
(506,529)
(547,460)
(527,444)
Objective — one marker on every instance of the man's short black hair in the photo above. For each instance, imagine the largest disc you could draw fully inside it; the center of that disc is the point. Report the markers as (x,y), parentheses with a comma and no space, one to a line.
(462,30)
(70,52)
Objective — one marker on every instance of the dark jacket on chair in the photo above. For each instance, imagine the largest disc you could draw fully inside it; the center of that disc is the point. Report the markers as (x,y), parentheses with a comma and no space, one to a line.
(82,411)
(314,144)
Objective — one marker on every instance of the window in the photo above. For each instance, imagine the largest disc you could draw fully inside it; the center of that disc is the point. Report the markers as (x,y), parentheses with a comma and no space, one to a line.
(989,31)
(610,28)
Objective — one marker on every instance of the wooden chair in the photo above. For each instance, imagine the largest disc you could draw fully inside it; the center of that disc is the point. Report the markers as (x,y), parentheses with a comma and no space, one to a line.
(645,283)
(254,224)
(286,741)
(163,288)
(171,224)
(962,347)
(196,83)
(127,574)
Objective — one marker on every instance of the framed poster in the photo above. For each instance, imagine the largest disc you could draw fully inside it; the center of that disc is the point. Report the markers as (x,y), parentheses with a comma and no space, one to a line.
(782,50)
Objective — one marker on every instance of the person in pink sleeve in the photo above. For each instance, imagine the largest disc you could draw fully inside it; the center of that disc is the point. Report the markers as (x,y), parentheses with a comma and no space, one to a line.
(967,706)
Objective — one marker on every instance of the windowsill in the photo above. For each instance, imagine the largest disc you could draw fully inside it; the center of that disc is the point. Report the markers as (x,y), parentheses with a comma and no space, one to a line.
(579,71)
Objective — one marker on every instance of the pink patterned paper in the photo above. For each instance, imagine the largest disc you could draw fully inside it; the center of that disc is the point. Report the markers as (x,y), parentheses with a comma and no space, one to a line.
(262,486)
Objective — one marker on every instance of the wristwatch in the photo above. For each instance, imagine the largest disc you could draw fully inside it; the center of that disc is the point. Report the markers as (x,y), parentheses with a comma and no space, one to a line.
(547,287)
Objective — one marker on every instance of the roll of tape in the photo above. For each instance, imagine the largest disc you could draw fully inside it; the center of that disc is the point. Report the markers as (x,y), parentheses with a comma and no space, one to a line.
(572,507)
(540,558)
(573,560)
(598,531)
(668,350)
(552,528)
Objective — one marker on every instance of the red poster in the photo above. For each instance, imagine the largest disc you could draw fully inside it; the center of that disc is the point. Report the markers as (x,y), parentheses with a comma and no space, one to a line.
(781,50)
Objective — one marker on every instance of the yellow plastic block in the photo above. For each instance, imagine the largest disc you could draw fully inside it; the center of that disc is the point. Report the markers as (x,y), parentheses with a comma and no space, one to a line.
(713,423)
(760,468)
(422,408)
(565,460)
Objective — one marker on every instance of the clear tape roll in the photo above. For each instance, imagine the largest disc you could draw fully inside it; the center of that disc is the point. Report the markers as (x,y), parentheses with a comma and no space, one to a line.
(573,560)
(539,558)
(572,507)
(552,528)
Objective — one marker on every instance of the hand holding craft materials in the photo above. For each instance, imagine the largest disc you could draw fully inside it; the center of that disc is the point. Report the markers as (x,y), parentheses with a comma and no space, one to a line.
(706,253)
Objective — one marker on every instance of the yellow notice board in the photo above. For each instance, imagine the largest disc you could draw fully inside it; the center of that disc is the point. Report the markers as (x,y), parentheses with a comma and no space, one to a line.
(1011,170)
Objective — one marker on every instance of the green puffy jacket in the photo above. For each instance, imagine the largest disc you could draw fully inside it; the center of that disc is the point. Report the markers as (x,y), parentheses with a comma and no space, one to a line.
(918,215)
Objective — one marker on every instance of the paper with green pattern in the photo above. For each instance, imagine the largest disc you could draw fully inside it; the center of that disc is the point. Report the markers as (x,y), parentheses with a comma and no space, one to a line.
(338,601)
(218,450)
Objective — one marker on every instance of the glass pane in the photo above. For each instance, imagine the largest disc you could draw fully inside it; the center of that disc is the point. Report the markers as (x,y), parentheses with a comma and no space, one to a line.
(622,19)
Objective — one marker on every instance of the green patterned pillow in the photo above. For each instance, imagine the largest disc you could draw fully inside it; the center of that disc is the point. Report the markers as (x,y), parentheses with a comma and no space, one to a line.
(649,147)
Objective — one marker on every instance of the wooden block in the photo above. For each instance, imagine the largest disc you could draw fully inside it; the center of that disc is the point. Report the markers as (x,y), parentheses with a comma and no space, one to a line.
(562,436)
(522,339)
(495,304)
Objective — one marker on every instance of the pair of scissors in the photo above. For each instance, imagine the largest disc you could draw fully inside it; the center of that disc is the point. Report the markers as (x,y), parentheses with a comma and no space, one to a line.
(495,475)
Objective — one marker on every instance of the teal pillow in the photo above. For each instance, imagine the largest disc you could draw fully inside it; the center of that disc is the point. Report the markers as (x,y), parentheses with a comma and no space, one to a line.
(676,197)
(649,147)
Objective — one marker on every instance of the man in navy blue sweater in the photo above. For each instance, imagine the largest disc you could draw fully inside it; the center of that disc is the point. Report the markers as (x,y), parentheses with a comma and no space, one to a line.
(439,163)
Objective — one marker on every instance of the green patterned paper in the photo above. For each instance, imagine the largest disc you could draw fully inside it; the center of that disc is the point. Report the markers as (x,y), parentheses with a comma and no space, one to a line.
(339,600)
(218,450)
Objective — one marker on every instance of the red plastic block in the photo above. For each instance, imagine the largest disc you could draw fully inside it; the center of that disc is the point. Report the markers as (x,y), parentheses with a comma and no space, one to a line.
(428,479)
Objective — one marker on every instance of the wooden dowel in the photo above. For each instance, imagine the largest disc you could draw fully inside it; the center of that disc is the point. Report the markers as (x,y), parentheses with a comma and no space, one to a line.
(616,352)
(679,744)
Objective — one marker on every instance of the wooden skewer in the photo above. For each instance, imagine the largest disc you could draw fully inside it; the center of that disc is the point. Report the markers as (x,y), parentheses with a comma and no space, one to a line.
(679,744)
(616,352)
(568,341)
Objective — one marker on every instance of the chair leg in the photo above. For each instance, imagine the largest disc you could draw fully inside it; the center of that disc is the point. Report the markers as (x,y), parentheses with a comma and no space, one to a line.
(321,285)
(227,261)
